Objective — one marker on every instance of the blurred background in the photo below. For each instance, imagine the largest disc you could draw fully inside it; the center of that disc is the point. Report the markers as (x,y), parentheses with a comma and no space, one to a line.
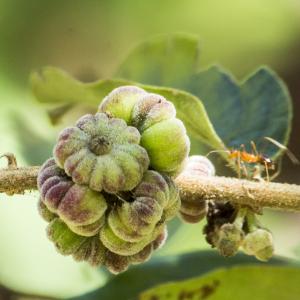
(90,39)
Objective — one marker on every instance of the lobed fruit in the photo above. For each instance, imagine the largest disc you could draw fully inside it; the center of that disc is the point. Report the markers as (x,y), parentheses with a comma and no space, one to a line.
(102,153)
(82,209)
(134,223)
(162,134)
(193,209)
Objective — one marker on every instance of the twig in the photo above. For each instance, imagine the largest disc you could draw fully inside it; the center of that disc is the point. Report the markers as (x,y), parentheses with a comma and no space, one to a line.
(244,192)
(18,180)
(255,194)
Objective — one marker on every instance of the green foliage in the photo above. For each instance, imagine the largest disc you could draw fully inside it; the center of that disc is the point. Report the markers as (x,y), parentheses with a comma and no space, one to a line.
(238,112)
(55,86)
(167,269)
(218,112)
(246,282)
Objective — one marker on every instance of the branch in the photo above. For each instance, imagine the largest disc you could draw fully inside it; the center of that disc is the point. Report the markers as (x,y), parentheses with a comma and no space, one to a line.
(244,192)
(18,180)
(255,194)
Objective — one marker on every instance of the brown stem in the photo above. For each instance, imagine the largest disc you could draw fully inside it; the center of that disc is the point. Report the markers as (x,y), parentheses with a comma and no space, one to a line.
(18,180)
(244,192)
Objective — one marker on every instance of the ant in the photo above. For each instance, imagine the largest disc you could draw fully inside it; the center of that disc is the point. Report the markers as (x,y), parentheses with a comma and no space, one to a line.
(242,156)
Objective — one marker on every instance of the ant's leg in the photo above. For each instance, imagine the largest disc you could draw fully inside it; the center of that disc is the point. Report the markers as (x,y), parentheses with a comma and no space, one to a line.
(267,171)
(245,170)
(278,171)
(254,148)
(242,148)
(239,165)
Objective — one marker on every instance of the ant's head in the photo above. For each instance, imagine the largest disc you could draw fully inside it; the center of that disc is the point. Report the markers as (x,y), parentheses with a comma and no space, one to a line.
(269,162)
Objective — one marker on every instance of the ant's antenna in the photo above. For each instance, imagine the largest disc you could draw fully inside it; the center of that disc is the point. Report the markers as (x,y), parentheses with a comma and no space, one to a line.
(290,155)
(217,151)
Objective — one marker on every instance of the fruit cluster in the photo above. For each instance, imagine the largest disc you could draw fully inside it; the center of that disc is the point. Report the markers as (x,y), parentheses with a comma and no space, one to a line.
(108,191)
(229,228)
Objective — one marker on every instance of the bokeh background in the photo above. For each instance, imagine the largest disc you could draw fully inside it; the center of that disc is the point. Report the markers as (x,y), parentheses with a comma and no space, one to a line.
(90,39)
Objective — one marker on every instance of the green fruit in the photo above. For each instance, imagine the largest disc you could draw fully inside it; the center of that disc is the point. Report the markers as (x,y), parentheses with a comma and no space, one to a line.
(229,240)
(260,244)
(92,251)
(82,209)
(45,213)
(102,153)
(65,240)
(162,134)
(198,165)
(116,263)
(130,225)
(194,209)
(119,103)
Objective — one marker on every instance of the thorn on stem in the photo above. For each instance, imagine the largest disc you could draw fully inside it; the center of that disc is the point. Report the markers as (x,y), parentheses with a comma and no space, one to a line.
(11,160)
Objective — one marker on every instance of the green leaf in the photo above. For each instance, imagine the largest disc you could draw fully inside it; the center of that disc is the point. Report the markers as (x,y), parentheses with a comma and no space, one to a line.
(257,107)
(57,87)
(165,269)
(167,60)
(245,282)
(240,112)
(54,86)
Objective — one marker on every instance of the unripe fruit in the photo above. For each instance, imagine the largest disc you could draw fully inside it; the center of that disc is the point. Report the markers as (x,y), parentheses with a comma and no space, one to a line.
(219,213)
(163,135)
(116,263)
(82,209)
(119,103)
(44,212)
(229,239)
(194,209)
(102,153)
(92,251)
(199,165)
(132,224)
(65,240)
(142,256)
(259,243)
(160,240)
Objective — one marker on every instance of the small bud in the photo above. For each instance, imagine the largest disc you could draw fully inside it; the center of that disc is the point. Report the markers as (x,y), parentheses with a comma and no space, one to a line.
(229,239)
(259,243)
(194,209)
(119,103)
(103,153)
(199,165)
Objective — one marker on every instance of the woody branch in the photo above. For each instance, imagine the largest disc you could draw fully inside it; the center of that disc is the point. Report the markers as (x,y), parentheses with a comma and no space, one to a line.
(17,180)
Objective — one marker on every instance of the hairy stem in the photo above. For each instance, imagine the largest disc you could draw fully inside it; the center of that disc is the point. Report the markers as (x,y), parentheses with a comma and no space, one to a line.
(18,180)
(244,192)
(239,191)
